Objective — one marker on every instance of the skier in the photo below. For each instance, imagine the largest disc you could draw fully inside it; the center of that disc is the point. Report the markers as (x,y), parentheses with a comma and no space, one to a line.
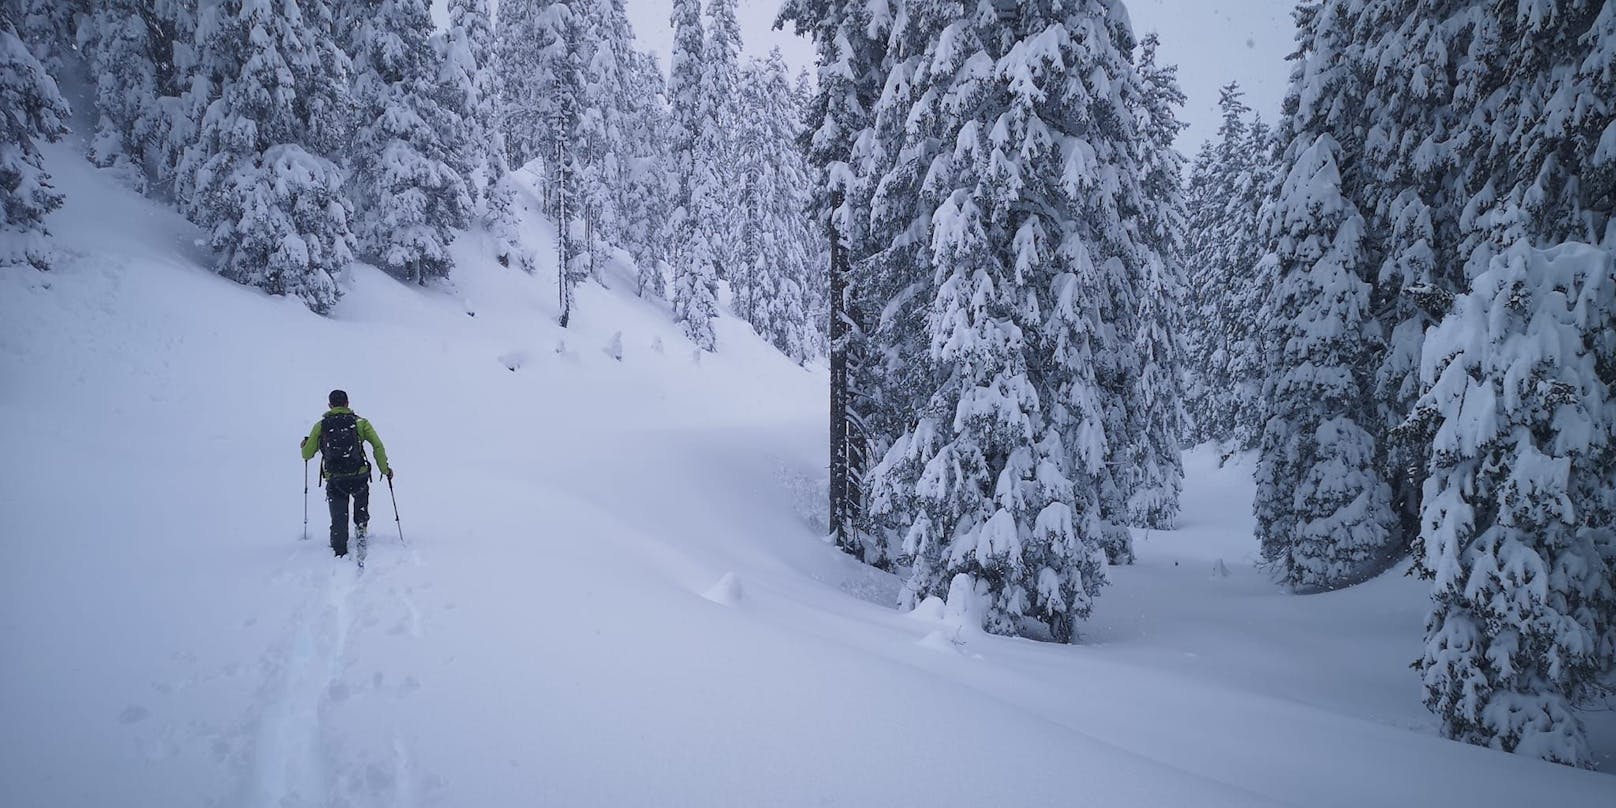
(343,466)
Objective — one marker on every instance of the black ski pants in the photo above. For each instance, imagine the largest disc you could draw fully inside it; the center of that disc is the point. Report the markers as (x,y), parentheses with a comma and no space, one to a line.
(337,492)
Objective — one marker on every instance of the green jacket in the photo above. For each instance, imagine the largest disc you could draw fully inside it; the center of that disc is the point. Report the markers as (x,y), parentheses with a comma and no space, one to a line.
(311,444)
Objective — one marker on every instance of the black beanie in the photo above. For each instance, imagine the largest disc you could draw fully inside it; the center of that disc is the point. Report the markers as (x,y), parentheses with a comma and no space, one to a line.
(337,398)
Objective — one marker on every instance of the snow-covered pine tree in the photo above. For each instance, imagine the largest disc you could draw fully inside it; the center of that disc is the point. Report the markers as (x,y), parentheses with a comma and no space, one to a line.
(753,174)
(851,38)
(521,41)
(46,27)
(1118,364)
(773,259)
(602,134)
(1249,290)
(1003,469)
(563,63)
(695,282)
(469,88)
(1517,529)
(816,283)
(544,49)
(891,279)
(34,111)
(122,48)
(1519,517)
(1323,508)
(1413,54)
(649,181)
(269,91)
(1205,198)
(408,195)
(720,94)
(1228,183)
(711,250)
(1158,410)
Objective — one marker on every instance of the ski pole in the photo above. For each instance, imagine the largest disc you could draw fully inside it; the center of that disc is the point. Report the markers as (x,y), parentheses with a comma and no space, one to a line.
(305,500)
(394,497)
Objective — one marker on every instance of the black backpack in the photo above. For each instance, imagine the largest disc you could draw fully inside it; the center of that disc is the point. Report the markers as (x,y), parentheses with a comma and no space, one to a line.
(340,451)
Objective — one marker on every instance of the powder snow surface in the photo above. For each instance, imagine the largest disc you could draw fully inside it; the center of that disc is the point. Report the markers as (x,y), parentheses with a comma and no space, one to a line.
(615,590)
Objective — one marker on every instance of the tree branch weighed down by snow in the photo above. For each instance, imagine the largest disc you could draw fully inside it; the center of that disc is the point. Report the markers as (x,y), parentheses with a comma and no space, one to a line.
(1518,509)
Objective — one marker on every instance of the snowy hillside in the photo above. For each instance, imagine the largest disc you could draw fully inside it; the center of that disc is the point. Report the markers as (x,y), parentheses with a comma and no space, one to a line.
(614,590)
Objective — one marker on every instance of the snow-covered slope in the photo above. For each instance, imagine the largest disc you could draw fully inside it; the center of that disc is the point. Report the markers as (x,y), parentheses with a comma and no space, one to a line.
(614,590)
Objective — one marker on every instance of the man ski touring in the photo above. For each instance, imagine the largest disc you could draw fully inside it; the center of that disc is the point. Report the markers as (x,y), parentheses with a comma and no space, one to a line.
(343,466)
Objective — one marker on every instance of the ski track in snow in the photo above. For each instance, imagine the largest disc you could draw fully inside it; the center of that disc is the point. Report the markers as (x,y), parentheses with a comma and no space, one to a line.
(297,761)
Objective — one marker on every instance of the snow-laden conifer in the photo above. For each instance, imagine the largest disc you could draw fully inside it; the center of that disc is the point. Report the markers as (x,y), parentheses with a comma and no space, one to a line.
(270,93)
(34,111)
(468,79)
(1228,183)
(1519,517)
(695,256)
(773,263)
(851,38)
(1003,470)
(1323,508)
(1157,402)
(408,194)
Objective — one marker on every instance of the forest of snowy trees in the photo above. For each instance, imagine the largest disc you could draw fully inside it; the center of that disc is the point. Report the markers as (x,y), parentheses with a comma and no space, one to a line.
(303,136)
(1399,294)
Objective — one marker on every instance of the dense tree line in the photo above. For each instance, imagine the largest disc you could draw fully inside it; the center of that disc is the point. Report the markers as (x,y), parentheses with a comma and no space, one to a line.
(306,135)
(1407,309)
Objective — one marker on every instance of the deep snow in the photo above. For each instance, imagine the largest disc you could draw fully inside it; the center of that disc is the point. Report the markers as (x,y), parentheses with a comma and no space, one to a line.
(615,590)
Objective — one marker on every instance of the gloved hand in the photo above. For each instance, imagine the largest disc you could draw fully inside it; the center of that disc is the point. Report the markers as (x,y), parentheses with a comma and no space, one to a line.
(302,441)
(388,474)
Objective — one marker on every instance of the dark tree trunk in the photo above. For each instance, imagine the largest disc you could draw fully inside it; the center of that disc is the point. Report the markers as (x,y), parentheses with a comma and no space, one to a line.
(842,489)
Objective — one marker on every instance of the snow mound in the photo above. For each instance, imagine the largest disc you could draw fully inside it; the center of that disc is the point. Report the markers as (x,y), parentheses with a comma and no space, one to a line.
(940,641)
(726,592)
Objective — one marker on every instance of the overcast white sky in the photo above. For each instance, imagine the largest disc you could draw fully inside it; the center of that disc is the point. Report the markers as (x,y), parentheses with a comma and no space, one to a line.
(1212,41)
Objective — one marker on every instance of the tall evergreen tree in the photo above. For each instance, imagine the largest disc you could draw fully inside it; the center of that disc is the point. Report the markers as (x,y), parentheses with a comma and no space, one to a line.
(695,281)
(270,95)
(1228,183)
(408,194)
(649,181)
(773,263)
(469,84)
(522,42)
(1520,528)
(1004,470)
(33,111)
(1323,510)
(1323,505)
(1517,528)
(720,96)
(603,127)
(120,41)
(890,367)
(1158,410)
(851,41)
(1409,163)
